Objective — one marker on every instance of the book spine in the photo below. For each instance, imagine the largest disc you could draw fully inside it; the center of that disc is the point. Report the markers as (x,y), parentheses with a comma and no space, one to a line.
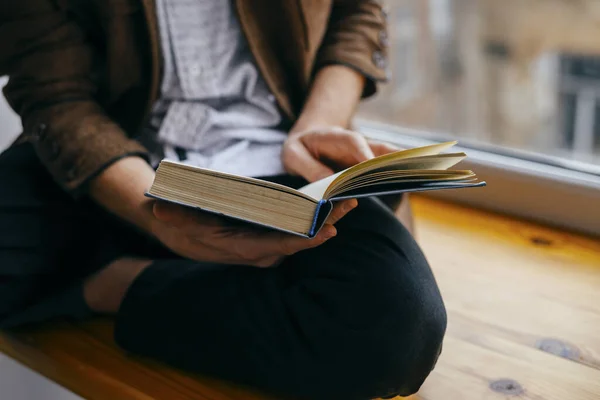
(314,227)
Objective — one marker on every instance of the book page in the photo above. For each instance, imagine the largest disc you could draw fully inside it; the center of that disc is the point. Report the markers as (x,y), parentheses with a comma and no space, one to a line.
(317,189)
(425,176)
(432,163)
(233,177)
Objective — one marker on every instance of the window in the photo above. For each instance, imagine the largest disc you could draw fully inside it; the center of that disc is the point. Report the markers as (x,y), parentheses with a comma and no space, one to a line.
(520,95)
(580,111)
(10,124)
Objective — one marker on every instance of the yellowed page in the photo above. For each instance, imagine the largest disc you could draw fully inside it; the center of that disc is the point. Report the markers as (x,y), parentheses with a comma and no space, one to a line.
(168,164)
(432,178)
(400,174)
(435,162)
(317,189)
(407,176)
(430,150)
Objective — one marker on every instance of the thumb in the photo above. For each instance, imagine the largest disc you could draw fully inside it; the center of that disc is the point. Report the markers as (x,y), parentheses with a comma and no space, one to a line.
(164,211)
(298,160)
(381,148)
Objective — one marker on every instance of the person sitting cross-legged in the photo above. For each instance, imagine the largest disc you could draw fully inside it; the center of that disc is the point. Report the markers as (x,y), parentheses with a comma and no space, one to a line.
(264,88)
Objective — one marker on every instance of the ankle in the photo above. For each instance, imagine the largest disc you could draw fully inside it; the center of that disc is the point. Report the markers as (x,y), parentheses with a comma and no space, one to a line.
(104,291)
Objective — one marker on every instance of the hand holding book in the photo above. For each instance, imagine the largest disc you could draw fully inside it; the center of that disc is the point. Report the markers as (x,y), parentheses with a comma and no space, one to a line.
(314,154)
(205,237)
(202,236)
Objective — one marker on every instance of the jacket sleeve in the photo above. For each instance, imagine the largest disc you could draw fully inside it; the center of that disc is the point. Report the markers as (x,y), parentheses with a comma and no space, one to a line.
(357,37)
(51,86)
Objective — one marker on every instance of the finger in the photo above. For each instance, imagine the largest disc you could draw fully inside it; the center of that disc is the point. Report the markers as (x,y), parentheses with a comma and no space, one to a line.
(269,262)
(340,209)
(363,150)
(288,244)
(380,148)
(344,147)
(252,247)
(166,212)
(299,161)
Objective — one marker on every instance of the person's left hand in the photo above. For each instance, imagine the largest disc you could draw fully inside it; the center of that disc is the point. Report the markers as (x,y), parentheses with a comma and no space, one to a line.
(316,153)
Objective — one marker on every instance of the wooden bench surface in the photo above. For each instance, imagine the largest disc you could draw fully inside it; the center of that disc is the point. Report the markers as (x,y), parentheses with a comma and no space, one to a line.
(524,320)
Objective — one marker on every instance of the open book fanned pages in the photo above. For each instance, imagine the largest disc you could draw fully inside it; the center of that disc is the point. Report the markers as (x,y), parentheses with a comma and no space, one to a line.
(303,211)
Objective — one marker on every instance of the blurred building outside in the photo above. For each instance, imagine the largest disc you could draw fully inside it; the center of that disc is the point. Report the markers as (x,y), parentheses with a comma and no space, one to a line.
(518,73)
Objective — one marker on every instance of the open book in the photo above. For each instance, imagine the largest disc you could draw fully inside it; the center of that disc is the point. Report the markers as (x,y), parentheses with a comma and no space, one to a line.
(303,211)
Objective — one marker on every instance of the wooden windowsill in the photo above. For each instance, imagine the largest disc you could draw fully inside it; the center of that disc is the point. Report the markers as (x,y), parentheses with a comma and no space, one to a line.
(524,319)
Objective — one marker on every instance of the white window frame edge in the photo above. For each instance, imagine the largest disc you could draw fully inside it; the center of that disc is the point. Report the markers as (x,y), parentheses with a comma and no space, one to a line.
(537,191)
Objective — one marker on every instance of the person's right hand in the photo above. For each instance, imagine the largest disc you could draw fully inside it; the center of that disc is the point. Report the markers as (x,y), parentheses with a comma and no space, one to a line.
(205,237)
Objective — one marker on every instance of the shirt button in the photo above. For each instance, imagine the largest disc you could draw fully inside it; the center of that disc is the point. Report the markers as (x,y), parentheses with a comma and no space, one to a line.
(385,14)
(384,39)
(40,134)
(271,98)
(379,60)
(195,70)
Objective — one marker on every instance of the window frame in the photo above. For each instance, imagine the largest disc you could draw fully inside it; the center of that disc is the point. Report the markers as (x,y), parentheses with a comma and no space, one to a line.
(545,189)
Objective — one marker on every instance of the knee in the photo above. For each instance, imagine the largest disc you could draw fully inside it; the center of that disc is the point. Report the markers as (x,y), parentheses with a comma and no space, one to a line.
(412,355)
(412,332)
(400,355)
(394,352)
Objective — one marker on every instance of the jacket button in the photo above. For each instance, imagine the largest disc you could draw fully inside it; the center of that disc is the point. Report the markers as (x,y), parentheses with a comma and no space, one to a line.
(40,134)
(379,60)
(384,39)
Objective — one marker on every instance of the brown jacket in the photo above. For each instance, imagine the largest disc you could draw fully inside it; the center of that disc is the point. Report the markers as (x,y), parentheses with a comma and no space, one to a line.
(85,73)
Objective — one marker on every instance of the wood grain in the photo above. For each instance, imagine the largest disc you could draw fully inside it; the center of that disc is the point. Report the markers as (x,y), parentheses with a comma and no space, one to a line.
(524,321)
(523,305)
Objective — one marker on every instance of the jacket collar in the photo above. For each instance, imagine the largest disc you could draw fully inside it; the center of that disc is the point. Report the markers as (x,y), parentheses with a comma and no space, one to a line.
(155,56)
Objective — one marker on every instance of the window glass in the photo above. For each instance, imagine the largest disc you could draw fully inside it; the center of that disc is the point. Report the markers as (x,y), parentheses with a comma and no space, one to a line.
(10,124)
(517,74)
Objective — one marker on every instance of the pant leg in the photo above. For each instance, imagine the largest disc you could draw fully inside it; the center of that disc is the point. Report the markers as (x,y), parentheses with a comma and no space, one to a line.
(49,243)
(358,317)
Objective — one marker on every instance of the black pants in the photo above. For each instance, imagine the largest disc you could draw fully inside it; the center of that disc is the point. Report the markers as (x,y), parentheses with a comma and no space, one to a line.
(358,317)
